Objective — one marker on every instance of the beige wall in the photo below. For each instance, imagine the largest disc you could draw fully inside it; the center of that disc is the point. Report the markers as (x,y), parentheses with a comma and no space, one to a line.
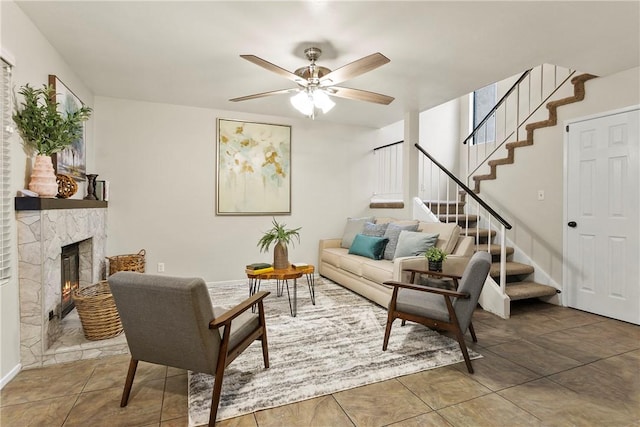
(160,161)
(538,225)
(35,60)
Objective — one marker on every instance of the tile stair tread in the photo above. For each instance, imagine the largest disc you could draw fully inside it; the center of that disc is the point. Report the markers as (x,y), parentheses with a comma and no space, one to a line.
(524,290)
(460,217)
(513,269)
(483,232)
(494,249)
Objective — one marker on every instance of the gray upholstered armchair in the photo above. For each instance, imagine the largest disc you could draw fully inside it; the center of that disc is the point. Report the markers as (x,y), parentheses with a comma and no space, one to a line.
(442,309)
(170,321)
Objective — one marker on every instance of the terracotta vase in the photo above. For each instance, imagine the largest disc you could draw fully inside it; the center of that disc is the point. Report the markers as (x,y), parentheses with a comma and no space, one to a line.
(280,256)
(43,177)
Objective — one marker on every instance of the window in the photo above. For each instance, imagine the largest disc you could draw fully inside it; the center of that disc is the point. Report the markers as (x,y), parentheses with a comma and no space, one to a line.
(5,175)
(483,101)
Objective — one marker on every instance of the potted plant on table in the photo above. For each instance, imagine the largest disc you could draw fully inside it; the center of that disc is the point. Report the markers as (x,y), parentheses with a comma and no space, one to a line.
(435,256)
(282,237)
(45,131)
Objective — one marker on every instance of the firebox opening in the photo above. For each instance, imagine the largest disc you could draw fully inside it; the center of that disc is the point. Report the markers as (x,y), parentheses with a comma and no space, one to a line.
(70,270)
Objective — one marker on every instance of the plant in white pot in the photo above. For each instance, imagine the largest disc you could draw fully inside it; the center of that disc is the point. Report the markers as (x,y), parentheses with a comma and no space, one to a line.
(45,131)
(282,237)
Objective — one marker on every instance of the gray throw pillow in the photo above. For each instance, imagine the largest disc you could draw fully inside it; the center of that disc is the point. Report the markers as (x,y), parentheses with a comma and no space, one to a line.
(354,226)
(393,233)
(377,230)
(414,243)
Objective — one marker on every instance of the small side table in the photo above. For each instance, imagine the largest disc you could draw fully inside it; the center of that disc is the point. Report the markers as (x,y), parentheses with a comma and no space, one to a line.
(439,279)
(282,277)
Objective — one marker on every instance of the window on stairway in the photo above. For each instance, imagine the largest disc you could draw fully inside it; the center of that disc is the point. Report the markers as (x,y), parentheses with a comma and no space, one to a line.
(5,175)
(483,101)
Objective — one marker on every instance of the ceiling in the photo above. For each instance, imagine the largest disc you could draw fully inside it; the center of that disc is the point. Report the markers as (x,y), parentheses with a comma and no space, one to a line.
(187,53)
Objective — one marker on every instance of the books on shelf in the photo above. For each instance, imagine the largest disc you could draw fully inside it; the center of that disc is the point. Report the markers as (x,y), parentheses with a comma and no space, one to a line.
(262,270)
(300,265)
(258,266)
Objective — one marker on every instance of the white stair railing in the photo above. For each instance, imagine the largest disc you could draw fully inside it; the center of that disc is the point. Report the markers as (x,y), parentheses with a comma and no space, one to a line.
(521,104)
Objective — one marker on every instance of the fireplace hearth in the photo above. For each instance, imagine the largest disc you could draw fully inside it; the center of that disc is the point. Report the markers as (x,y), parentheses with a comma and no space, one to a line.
(42,233)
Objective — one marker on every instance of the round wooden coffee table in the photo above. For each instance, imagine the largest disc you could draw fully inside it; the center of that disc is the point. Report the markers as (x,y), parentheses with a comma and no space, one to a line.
(282,277)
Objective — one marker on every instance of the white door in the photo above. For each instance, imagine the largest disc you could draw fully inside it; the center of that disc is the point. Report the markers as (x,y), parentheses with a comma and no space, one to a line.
(603,187)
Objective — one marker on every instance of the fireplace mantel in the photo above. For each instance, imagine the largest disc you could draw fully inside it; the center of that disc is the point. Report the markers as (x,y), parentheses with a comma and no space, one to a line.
(41,204)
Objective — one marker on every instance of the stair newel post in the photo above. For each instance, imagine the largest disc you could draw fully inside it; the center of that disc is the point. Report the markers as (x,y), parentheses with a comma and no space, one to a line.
(503,259)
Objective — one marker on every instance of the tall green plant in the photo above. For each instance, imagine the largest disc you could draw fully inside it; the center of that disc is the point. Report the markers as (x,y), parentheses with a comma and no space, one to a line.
(278,233)
(42,127)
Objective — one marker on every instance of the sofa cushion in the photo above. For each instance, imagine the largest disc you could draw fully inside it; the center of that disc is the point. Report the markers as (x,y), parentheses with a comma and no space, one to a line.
(368,246)
(384,219)
(333,255)
(393,233)
(352,264)
(354,226)
(377,271)
(448,234)
(414,243)
(372,229)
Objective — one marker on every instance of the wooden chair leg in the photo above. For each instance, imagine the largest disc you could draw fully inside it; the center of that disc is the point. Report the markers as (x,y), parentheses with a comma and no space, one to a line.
(463,348)
(217,384)
(133,365)
(387,331)
(472,332)
(265,346)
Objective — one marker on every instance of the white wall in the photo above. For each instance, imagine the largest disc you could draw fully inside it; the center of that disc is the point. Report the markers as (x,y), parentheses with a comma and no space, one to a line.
(160,160)
(440,137)
(35,60)
(538,225)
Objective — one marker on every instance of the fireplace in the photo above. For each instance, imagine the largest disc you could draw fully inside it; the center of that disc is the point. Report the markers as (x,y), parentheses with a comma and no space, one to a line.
(70,277)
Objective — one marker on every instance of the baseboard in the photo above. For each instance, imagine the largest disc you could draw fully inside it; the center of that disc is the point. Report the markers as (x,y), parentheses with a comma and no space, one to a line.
(10,375)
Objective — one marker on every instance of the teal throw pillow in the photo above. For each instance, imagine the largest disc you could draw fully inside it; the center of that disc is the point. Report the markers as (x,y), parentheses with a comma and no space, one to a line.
(393,233)
(368,246)
(414,243)
(371,229)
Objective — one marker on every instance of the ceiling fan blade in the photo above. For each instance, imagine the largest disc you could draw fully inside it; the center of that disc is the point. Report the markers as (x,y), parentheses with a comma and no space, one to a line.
(274,68)
(360,95)
(263,94)
(354,69)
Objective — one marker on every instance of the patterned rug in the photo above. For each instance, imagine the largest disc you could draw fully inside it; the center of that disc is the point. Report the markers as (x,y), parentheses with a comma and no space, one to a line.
(332,346)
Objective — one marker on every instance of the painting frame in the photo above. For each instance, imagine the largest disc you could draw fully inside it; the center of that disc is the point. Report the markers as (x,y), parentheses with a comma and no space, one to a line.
(72,160)
(253,168)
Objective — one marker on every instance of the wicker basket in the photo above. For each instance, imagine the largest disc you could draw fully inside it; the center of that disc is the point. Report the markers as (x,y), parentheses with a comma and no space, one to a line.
(97,311)
(130,262)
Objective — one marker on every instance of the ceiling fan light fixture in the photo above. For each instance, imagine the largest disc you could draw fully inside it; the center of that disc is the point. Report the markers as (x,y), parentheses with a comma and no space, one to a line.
(302,102)
(322,101)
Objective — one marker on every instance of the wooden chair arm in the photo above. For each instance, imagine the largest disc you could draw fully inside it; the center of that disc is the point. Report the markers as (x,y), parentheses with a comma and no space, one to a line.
(444,292)
(228,316)
(433,273)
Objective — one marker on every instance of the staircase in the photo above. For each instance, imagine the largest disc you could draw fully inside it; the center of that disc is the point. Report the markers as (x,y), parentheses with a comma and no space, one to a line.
(552,120)
(519,282)
(449,199)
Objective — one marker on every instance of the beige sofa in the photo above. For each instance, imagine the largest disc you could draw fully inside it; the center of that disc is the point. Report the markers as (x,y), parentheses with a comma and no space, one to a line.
(366,276)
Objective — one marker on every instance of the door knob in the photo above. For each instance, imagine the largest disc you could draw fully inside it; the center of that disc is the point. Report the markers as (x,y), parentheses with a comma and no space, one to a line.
(572,224)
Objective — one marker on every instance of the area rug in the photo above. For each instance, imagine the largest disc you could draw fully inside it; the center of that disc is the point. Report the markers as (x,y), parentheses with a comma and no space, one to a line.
(332,346)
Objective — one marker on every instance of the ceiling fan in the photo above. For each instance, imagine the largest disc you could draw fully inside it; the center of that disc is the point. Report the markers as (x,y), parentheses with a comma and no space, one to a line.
(316,83)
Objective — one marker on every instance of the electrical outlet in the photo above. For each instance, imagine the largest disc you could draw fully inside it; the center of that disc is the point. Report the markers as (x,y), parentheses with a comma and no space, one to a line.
(161,267)
(540,194)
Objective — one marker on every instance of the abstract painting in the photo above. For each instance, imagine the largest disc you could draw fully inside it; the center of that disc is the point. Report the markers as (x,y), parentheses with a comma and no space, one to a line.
(253,168)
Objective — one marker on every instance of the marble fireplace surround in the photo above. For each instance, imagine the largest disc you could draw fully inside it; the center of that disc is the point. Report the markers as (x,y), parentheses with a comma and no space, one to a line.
(43,229)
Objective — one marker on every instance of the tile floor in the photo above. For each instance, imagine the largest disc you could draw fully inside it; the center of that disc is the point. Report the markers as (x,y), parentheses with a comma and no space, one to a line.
(546,366)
